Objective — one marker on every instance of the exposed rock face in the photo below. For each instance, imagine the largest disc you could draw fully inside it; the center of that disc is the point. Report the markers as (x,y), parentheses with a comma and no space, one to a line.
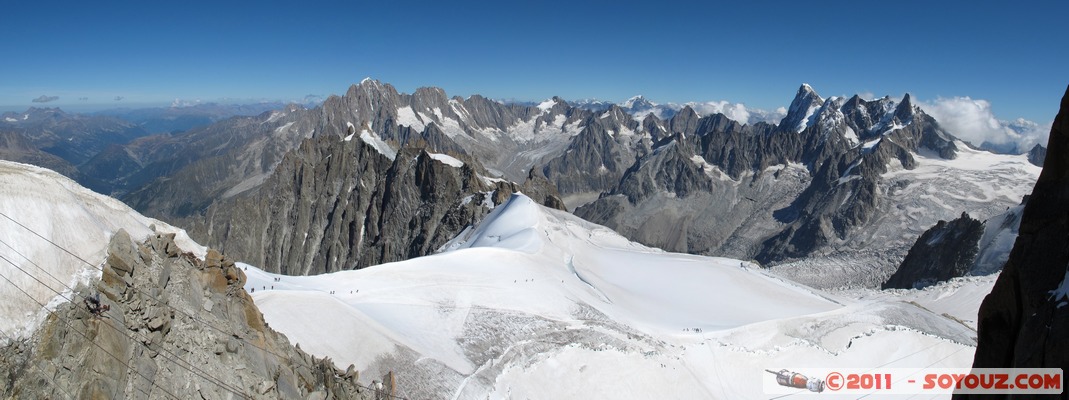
(844,145)
(945,251)
(284,191)
(508,139)
(177,327)
(845,190)
(597,157)
(1024,321)
(334,205)
(1037,155)
(779,194)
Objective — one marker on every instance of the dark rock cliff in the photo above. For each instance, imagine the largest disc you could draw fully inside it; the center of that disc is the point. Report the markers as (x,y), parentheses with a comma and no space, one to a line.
(333,205)
(945,251)
(1024,322)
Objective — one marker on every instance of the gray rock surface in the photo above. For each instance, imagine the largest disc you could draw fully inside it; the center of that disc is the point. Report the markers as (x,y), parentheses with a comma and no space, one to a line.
(945,251)
(1037,155)
(597,157)
(333,205)
(160,339)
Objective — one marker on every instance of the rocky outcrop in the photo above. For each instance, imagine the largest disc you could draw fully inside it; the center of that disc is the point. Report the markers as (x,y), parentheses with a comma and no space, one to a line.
(508,139)
(847,163)
(1037,155)
(338,204)
(178,327)
(945,251)
(1023,322)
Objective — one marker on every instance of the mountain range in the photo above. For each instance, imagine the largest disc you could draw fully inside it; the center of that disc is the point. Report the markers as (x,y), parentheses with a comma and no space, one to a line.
(835,182)
(474,247)
(531,301)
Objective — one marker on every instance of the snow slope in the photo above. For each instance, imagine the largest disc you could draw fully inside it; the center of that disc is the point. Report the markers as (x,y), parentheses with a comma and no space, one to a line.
(536,303)
(73,217)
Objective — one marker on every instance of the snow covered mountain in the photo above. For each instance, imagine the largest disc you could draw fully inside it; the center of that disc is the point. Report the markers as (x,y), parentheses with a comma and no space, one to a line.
(535,302)
(834,195)
(841,182)
(531,302)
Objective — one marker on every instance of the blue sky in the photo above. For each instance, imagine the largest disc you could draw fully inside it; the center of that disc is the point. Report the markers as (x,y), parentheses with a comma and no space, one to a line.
(1013,55)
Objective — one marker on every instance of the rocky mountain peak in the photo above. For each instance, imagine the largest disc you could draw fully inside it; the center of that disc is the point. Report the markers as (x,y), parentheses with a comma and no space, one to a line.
(806,102)
(430,96)
(685,121)
(371,89)
(905,110)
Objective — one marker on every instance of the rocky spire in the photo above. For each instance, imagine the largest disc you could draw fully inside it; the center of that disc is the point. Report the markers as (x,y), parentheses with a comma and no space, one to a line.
(806,101)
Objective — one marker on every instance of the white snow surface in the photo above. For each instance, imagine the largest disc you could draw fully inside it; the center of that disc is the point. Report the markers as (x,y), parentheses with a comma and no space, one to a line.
(982,176)
(407,117)
(537,303)
(9,119)
(959,298)
(545,106)
(375,141)
(447,160)
(1000,232)
(73,217)
(809,113)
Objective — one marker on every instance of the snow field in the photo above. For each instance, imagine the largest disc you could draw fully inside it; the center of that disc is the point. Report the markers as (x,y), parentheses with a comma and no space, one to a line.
(538,303)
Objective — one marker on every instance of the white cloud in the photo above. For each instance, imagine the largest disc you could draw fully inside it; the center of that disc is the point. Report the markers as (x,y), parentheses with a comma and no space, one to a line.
(972,120)
(45,99)
(735,111)
(738,111)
